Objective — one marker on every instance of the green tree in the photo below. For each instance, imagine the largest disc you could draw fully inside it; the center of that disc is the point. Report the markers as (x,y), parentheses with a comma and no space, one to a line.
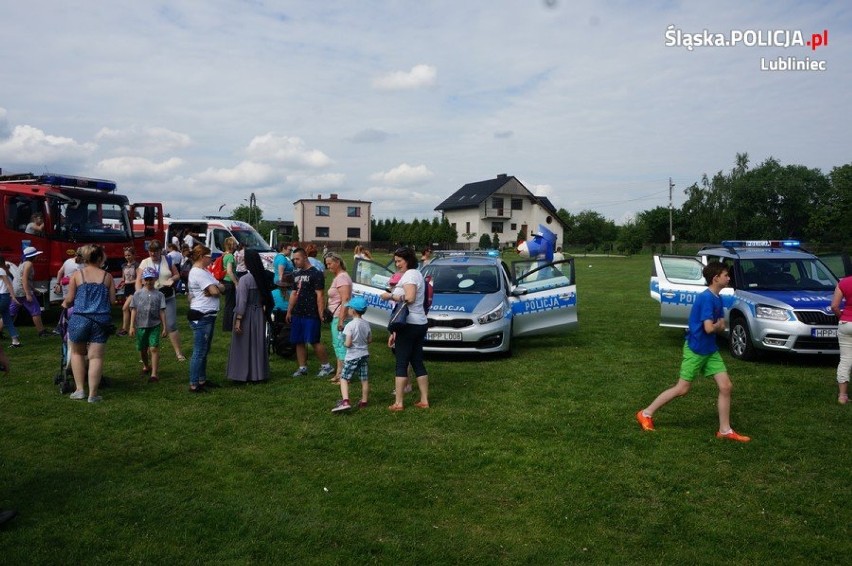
(591,228)
(631,236)
(495,241)
(250,214)
(484,242)
(295,236)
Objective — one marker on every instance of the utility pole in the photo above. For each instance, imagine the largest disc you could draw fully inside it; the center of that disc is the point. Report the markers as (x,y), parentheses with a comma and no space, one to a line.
(671,232)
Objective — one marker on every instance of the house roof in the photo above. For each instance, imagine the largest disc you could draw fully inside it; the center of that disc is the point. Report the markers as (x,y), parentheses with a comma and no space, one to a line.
(472,194)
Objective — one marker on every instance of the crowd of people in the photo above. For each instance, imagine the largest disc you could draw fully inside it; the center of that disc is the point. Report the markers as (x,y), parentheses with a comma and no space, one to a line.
(249,298)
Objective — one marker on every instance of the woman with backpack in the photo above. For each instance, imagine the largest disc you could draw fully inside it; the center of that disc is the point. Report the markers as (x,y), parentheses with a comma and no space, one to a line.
(229,262)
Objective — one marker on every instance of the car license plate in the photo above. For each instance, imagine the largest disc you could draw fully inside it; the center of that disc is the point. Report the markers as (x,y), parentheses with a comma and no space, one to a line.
(824,332)
(451,336)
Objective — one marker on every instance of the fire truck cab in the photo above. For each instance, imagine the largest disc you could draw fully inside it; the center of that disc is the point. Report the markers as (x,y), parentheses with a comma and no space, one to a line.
(56,214)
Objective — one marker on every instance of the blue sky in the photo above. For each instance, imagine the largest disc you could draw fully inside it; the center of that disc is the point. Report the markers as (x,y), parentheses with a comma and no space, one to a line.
(201,103)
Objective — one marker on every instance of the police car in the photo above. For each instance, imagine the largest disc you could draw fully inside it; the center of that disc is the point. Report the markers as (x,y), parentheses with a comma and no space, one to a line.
(778,299)
(479,304)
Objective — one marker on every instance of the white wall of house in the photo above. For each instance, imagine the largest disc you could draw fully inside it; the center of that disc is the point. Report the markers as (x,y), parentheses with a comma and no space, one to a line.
(482,221)
(332,219)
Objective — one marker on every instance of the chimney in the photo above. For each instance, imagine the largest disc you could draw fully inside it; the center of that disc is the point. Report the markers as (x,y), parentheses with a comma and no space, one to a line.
(333,196)
(501,175)
(319,197)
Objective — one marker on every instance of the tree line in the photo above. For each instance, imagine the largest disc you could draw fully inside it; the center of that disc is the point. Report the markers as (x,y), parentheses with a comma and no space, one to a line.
(769,201)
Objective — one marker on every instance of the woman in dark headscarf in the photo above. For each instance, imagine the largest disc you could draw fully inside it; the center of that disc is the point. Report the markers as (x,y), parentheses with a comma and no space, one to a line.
(248,359)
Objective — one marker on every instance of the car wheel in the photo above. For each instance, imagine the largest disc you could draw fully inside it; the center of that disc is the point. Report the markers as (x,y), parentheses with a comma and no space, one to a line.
(740,340)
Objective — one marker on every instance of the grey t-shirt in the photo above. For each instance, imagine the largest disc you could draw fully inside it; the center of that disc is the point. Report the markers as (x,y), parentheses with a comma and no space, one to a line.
(148,305)
(359,330)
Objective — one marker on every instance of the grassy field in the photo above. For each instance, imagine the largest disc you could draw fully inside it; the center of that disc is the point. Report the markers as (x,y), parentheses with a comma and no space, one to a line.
(536,459)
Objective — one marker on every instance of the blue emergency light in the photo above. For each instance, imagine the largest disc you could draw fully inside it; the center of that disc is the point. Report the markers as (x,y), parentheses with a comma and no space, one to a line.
(78,182)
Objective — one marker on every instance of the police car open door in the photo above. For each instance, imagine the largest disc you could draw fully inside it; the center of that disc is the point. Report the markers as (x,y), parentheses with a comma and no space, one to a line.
(544,298)
(370,280)
(676,281)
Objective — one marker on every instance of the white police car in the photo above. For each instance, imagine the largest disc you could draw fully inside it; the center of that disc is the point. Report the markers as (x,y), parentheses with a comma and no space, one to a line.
(478,304)
(778,299)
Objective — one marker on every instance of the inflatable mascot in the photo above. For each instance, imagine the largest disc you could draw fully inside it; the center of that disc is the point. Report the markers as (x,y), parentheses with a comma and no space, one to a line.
(540,246)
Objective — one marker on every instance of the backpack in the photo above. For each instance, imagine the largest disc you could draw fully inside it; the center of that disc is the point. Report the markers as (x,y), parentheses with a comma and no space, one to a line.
(217,268)
(428,294)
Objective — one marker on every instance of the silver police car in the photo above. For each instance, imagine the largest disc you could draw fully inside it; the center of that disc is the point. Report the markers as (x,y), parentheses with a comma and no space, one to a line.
(478,304)
(778,299)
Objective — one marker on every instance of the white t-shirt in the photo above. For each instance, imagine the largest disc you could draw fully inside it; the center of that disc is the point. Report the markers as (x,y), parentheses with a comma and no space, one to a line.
(68,269)
(415,309)
(176,258)
(359,330)
(4,290)
(199,280)
(189,240)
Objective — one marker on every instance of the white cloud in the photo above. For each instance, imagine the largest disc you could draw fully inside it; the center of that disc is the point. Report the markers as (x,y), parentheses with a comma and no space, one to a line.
(138,167)
(142,141)
(541,190)
(30,145)
(403,176)
(322,182)
(245,174)
(284,150)
(419,76)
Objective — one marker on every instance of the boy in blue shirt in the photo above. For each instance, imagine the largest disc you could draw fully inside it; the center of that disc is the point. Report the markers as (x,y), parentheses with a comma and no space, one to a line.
(701,354)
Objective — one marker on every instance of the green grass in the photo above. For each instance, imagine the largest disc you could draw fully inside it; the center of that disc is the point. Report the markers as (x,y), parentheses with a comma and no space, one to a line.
(535,459)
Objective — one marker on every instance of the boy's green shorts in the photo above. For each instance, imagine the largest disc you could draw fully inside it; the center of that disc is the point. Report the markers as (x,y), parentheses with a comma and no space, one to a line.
(707,364)
(148,337)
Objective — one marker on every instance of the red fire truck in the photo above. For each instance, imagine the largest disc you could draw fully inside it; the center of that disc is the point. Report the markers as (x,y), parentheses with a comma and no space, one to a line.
(76,211)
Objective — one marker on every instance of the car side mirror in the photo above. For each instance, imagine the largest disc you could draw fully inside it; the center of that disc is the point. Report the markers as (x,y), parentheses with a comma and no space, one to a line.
(518,291)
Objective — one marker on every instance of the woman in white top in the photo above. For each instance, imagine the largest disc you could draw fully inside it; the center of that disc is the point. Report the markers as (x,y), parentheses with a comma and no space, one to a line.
(204,291)
(411,288)
(6,298)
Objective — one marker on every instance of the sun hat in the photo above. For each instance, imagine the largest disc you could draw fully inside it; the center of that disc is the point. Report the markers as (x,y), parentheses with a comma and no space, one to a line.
(358,304)
(150,273)
(30,251)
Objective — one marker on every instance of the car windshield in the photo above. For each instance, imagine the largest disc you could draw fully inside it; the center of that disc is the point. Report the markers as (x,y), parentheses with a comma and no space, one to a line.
(786,275)
(91,221)
(252,240)
(472,279)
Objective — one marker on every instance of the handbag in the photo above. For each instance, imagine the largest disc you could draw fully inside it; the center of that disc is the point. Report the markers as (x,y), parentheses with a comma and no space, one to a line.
(328,314)
(399,317)
(168,291)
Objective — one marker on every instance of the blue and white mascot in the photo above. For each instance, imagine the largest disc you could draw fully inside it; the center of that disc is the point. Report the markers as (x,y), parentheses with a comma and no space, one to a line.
(541,246)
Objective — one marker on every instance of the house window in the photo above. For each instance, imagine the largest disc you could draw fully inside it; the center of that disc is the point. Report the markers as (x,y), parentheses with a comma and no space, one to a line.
(322,232)
(467,227)
(497,202)
(497,227)
(513,227)
(353,233)
(353,211)
(322,210)
(517,204)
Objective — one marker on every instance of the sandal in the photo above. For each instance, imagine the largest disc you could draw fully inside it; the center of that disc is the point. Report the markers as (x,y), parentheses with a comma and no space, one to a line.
(395,407)
(181,358)
(843,399)
(421,405)
(335,379)
(145,370)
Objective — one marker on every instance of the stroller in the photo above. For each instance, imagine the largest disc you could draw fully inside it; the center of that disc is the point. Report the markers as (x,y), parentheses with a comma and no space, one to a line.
(279,335)
(64,379)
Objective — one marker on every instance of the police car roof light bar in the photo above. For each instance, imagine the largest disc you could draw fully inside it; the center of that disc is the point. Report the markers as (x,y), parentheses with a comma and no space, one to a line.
(761,244)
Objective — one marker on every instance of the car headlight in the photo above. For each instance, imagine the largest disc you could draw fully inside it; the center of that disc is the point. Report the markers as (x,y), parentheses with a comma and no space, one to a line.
(491,316)
(771,313)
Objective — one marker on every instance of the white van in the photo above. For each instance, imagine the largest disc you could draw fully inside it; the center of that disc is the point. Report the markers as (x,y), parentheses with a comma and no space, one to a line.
(212,232)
